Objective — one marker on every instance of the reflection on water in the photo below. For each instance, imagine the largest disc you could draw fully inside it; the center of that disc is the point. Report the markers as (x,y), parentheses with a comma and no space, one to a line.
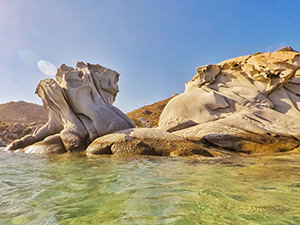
(65,189)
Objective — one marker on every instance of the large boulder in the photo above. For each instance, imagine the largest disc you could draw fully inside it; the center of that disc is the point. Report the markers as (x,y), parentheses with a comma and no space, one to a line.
(79,107)
(51,144)
(148,141)
(248,104)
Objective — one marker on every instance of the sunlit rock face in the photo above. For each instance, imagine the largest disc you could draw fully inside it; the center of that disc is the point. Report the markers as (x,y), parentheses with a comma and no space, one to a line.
(79,107)
(248,104)
(148,141)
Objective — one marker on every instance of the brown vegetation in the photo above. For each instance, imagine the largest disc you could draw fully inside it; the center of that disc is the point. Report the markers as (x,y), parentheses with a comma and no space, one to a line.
(20,118)
(148,116)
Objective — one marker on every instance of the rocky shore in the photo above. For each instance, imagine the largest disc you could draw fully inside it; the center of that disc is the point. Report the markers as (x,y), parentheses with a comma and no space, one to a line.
(249,104)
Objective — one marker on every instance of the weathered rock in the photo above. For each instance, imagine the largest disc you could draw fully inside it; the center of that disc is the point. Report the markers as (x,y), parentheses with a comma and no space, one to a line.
(91,91)
(248,104)
(2,144)
(79,107)
(51,144)
(219,133)
(61,120)
(147,141)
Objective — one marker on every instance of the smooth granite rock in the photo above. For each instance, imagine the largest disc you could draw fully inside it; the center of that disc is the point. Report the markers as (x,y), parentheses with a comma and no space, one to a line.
(248,104)
(51,144)
(147,141)
(79,107)
(91,91)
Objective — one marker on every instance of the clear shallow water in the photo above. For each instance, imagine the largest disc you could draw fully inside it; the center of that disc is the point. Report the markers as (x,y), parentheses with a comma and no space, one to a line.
(65,189)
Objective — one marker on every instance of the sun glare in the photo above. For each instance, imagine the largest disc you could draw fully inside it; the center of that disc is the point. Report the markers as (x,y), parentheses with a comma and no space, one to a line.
(46,67)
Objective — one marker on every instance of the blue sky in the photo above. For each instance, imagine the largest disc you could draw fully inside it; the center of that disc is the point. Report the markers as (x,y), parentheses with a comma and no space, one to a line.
(154,44)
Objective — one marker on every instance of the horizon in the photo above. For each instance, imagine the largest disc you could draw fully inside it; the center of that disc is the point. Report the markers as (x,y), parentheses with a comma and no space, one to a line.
(154,45)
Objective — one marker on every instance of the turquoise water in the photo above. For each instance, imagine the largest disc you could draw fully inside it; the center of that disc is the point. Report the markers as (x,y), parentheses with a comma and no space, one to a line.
(66,189)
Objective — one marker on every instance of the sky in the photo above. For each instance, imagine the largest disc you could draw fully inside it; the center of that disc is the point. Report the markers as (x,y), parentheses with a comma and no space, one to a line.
(155,45)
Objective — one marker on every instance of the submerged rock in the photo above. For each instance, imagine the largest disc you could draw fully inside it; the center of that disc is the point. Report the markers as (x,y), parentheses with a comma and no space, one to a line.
(248,104)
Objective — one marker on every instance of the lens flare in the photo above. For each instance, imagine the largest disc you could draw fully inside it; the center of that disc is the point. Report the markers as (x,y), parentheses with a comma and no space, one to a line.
(28,57)
(46,67)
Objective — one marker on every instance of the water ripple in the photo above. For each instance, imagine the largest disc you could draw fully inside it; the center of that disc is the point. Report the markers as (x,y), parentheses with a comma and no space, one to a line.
(148,190)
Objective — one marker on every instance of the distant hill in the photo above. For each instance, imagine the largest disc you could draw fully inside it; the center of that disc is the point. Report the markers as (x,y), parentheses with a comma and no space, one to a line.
(148,116)
(18,119)
(22,112)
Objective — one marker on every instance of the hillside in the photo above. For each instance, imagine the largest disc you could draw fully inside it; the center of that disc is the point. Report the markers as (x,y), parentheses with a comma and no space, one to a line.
(148,116)
(20,118)
(22,112)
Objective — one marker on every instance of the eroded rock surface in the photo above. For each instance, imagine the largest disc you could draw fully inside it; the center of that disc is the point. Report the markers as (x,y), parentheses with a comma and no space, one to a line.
(249,104)
(79,107)
(148,141)
(2,144)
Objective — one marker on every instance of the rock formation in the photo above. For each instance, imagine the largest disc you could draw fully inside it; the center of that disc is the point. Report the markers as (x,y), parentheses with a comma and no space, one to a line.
(249,104)
(79,107)
(148,141)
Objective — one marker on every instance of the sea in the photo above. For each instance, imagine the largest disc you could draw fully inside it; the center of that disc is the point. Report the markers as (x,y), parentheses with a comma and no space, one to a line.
(76,189)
